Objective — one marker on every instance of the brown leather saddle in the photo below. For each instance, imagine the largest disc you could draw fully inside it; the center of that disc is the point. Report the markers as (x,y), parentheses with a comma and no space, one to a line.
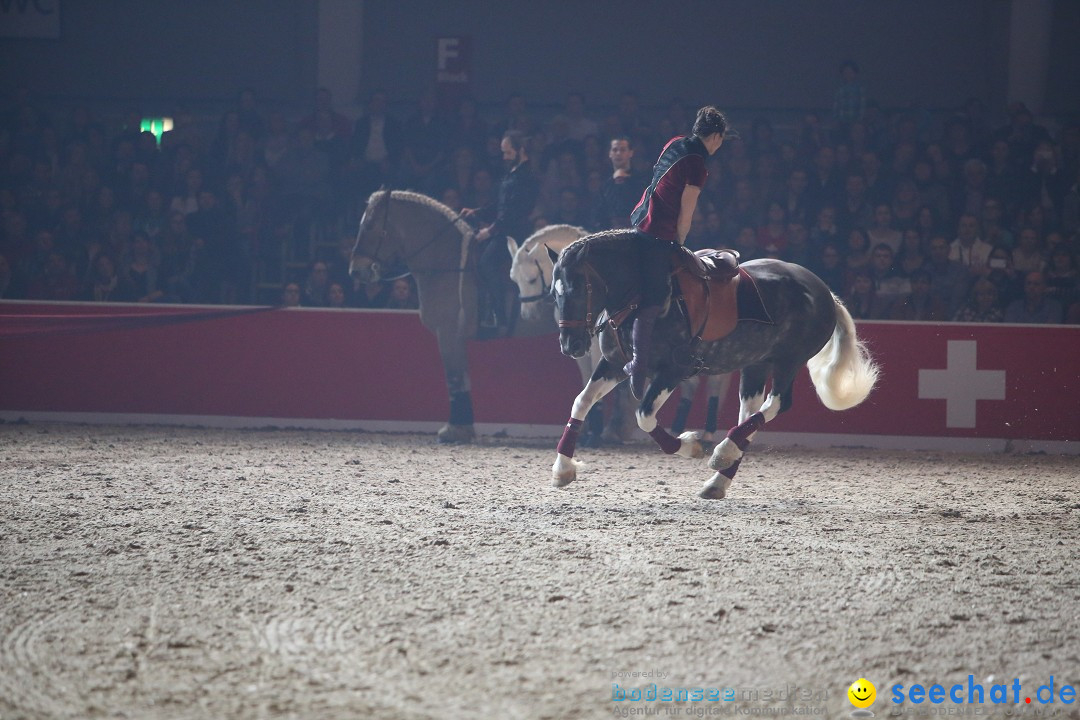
(712,291)
(706,285)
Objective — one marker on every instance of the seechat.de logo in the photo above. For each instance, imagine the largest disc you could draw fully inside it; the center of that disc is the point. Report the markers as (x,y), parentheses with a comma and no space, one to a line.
(862,694)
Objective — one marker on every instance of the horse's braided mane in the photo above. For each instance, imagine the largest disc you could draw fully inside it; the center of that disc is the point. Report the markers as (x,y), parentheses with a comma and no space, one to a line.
(576,251)
(429,202)
(562,227)
(542,235)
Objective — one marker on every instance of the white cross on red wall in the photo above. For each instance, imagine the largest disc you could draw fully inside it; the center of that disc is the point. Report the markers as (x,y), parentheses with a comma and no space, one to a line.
(961,384)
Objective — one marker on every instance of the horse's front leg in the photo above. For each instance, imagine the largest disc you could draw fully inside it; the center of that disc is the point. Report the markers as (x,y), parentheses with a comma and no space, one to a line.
(454,358)
(459,429)
(592,432)
(565,469)
(687,444)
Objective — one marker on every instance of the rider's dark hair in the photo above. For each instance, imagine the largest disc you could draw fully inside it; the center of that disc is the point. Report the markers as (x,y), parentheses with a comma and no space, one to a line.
(519,141)
(709,120)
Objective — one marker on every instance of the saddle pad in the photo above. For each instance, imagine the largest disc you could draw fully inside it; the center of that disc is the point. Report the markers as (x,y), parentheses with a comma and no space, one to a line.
(714,312)
(751,306)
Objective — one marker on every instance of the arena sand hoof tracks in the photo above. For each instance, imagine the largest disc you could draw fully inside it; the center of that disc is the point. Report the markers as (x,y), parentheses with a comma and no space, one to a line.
(456,434)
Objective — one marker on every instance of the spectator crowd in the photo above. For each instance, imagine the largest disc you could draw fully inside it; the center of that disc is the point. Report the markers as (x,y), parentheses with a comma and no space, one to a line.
(905,214)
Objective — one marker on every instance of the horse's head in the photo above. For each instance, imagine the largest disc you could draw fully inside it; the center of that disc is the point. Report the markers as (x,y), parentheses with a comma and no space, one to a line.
(580,294)
(405,232)
(527,271)
(531,266)
(375,246)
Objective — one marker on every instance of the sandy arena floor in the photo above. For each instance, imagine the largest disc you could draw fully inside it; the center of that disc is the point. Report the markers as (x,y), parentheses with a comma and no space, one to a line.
(184,573)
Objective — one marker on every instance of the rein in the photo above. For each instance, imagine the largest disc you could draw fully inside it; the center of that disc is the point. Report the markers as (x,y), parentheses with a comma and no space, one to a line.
(450,223)
(384,233)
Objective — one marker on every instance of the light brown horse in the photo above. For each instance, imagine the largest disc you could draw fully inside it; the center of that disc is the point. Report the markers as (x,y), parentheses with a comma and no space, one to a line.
(406,232)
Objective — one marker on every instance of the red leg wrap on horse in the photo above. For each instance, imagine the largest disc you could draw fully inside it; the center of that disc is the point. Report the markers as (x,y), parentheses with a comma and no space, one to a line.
(740,434)
(730,472)
(568,441)
(667,442)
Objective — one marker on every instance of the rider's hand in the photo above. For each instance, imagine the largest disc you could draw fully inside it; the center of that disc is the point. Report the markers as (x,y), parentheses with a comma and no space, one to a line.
(484,234)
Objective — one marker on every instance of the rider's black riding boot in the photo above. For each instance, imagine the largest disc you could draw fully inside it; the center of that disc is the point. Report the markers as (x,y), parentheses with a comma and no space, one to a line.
(642,336)
(486,311)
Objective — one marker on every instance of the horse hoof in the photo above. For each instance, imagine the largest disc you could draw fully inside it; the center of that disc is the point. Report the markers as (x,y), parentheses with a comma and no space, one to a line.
(456,434)
(690,446)
(712,493)
(716,488)
(562,480)
(564,471)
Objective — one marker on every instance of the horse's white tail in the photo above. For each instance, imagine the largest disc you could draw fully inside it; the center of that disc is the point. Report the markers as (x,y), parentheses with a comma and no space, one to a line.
(843,372)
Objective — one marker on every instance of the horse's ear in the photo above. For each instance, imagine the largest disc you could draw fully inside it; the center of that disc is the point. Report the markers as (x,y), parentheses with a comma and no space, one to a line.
(512,246)
(552,254)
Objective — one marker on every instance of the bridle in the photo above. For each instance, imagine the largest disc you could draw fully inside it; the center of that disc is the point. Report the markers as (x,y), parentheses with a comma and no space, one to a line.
(384,233)
(545,289)
(591,319)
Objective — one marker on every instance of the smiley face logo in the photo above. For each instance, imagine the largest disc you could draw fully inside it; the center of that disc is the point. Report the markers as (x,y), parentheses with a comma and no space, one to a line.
(862,693)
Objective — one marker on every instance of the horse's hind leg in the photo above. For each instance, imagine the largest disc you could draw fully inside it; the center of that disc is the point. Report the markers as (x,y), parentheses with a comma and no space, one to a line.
(751,396)
(718,388)
(687,444)
(564,471)
(753,414)
(687,390)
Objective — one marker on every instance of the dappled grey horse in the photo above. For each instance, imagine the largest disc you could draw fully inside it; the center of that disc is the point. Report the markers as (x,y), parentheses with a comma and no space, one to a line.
(802,322)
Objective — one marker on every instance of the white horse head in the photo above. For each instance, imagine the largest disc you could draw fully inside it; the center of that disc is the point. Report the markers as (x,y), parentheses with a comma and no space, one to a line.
(531,267)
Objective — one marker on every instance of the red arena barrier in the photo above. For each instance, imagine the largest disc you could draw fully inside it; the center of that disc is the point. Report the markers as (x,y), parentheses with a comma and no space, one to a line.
(962,386)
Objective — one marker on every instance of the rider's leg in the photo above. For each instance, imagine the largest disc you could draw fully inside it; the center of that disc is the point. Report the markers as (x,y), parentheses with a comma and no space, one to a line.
(642,333)
(493,268)
(654,258)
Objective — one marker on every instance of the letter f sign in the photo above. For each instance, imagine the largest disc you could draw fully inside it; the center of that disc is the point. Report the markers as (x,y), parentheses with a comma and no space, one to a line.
(448,50)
